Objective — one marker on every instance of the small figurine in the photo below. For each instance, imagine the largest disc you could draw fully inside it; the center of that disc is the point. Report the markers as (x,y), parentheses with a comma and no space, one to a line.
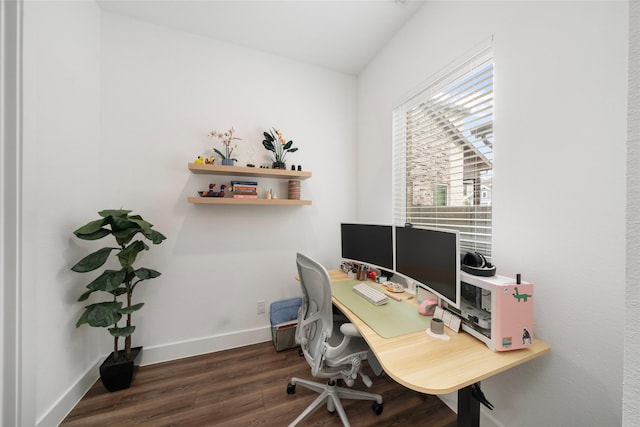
(199,160)
(209,160)
(211,193)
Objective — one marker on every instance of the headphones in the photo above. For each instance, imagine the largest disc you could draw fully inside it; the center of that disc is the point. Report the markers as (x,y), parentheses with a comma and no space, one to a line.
(475,263)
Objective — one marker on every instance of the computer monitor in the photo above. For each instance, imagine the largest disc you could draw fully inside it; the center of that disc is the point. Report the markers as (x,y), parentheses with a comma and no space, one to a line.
(431,257)
(370,244)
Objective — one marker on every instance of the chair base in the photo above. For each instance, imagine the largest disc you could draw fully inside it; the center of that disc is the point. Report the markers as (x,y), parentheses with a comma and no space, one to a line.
(332,394)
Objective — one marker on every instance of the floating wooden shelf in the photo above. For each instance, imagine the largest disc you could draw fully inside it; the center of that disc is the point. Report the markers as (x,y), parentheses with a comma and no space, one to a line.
(247,172)
(232,201)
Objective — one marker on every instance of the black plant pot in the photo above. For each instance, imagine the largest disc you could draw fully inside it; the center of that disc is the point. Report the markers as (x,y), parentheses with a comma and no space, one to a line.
(119,375)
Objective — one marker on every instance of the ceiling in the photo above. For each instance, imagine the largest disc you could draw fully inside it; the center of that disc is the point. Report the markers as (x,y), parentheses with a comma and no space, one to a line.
(342,35)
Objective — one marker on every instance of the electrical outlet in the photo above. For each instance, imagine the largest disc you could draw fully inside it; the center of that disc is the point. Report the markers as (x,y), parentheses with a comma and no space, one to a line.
(259,307)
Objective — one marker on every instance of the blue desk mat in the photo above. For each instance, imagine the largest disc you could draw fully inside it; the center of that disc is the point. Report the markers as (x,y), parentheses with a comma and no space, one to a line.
(389,320)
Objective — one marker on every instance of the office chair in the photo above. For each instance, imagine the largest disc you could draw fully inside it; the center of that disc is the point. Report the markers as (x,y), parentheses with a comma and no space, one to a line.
(333,352)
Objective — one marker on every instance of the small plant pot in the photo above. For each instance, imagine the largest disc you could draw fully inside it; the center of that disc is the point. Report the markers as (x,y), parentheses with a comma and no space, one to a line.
(227,162)
(119,375)
(279,165)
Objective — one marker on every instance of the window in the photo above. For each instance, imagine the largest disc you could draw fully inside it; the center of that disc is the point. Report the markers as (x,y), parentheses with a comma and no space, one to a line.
(440,195)
(443,152)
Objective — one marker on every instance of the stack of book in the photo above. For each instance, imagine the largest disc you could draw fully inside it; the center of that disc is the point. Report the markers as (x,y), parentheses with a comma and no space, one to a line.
(244,189)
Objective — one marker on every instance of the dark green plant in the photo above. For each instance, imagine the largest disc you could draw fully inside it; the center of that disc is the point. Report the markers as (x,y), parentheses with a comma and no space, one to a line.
(123,227)
(275,142)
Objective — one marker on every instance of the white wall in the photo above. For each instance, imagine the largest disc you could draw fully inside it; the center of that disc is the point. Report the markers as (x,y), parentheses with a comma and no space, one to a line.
(115,109)
(60,151)
(163,91)
(559,191)
(631,390)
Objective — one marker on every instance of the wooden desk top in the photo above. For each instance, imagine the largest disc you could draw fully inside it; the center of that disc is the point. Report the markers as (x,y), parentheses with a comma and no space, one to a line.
(434,366)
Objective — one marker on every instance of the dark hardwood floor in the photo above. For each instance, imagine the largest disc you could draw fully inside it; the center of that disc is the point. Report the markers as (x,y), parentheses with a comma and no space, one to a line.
(244,387)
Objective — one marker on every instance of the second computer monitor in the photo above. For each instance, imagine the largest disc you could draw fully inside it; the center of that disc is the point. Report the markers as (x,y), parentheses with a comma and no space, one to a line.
(370,244)
(430,256)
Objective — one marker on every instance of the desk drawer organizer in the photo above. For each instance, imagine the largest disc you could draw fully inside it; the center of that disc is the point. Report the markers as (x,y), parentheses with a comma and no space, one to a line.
(284,319)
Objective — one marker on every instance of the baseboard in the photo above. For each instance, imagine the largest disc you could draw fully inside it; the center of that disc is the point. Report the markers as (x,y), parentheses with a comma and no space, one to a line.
(70,398)
(151,355)
(179,350)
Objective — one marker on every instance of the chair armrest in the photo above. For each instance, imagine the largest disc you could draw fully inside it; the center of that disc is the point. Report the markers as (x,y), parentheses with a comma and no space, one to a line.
(348,329)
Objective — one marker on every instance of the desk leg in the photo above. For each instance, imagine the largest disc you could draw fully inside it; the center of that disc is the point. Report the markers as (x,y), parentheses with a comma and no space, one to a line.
(468,409)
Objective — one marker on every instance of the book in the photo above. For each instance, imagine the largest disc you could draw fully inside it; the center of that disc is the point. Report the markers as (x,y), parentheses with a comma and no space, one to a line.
(245,196)
(244,187)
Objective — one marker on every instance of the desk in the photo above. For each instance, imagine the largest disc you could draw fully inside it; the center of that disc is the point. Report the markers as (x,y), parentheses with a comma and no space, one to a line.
(433,366)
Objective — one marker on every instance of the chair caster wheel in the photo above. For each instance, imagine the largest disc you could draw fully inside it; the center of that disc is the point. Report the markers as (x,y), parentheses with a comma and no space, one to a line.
(377,408)
(291,389)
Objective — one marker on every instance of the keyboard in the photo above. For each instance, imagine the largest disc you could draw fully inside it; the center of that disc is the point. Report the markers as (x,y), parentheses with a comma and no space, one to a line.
(372,295)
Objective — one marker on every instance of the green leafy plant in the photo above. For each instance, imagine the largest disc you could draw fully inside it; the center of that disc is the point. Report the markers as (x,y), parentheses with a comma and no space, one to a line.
(123,227)
(275,142)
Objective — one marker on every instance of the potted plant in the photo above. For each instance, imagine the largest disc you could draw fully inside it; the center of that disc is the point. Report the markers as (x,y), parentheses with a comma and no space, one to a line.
(275,142)
(226,139)
(117,370)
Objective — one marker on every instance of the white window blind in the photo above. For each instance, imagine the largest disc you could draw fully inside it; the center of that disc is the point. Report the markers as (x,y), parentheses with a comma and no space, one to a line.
(443,152)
